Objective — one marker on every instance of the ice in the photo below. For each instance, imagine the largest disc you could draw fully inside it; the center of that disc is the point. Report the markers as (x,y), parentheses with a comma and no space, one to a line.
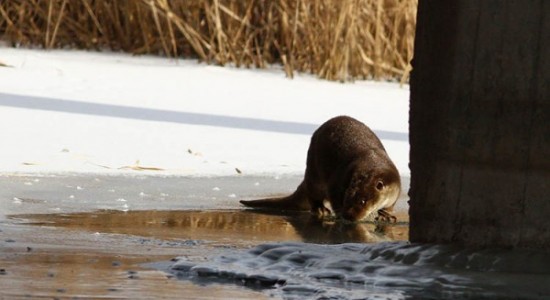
(390,269)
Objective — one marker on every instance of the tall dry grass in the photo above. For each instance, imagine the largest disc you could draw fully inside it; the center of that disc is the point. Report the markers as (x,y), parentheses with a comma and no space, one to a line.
(335,39)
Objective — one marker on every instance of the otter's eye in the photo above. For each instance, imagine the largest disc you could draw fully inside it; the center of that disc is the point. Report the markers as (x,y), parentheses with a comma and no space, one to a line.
(379,185)
(363,202)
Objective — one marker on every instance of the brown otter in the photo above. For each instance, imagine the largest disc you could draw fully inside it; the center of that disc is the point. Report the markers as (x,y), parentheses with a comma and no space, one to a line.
(348,168)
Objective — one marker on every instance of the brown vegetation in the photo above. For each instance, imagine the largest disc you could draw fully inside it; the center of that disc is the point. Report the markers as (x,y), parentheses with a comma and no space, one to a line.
(335,39)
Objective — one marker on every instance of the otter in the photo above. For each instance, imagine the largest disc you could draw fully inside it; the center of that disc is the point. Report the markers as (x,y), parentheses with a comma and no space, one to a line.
(348,173)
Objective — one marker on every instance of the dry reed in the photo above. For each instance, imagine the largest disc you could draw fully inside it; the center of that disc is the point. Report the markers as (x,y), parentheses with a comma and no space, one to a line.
(335,39)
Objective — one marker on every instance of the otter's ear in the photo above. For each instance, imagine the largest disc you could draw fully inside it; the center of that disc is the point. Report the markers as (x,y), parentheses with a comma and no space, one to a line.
(379,185)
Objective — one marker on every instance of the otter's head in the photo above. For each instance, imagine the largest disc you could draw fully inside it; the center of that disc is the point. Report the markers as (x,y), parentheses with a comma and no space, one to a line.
(367,193)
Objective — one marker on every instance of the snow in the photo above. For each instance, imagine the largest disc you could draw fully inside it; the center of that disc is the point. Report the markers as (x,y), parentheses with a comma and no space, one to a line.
(87,112)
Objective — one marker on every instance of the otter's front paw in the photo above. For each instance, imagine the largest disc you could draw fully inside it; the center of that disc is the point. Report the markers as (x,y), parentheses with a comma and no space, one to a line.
(385,216)
(321,212)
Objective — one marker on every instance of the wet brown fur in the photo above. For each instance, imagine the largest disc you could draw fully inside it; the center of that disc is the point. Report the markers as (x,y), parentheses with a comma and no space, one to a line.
(347,166)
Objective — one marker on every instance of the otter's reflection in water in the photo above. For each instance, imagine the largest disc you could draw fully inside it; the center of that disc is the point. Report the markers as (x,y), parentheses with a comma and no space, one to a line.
(228,226)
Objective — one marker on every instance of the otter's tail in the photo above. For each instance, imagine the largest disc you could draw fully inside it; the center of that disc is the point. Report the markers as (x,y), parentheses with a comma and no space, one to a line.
(296,201)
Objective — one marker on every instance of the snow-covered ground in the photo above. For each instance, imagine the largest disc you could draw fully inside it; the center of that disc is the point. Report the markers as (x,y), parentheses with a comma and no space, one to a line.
(74,111)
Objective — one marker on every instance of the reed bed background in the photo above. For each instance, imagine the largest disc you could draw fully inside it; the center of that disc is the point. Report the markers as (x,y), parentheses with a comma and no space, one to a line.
(334,39)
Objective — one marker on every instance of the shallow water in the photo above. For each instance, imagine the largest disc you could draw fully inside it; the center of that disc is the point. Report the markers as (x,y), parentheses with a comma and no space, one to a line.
(237,227)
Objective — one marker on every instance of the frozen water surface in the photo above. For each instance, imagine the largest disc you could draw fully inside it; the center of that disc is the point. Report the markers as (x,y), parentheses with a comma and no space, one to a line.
(388,270)
(83,193)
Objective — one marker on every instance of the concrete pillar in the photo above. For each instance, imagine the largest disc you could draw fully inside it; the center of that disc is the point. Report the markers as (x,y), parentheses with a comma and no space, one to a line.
(480,123)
